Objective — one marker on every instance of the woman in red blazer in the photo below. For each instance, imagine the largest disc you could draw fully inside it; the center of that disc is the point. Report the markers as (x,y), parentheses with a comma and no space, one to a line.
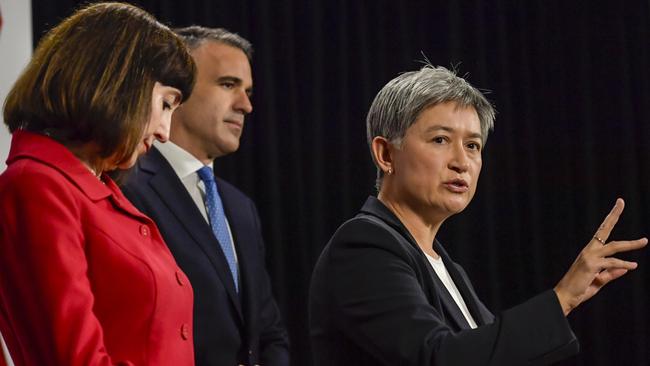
(85,278)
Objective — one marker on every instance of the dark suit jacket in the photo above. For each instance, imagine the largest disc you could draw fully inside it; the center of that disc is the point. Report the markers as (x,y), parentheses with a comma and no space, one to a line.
(375,300)
(229,328)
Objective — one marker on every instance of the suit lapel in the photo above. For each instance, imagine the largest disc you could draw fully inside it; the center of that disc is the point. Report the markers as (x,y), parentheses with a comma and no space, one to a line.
(171,191)
(463,286)
(374,207)
(451,309)
(238,217)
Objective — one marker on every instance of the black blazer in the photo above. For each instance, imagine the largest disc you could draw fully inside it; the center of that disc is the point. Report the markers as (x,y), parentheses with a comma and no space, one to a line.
(229,328)
(376,300)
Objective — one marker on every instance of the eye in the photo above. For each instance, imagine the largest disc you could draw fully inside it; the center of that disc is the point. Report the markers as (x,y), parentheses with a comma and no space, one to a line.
(228,84)
(474,146)
(440,139)
(166,105)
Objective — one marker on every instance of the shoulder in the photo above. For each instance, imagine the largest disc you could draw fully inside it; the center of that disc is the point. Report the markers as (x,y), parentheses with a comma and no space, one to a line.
(33,177)
(29,187)
(151,166)
(366,256)
(232,192)
(145,167)
(366,237)
(369,230)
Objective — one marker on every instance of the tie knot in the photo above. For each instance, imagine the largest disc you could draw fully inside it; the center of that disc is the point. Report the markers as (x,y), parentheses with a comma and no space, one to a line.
(206,174)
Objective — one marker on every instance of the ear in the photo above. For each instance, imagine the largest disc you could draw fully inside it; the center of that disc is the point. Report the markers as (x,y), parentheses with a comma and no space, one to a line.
(382,151)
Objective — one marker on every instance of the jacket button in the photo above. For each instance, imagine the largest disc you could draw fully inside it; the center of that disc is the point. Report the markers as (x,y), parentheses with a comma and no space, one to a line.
(144,230)
(179,278)
(185,332)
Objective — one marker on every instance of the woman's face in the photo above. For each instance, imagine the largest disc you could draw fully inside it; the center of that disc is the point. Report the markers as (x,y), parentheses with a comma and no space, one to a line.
(164,100)
(436,169)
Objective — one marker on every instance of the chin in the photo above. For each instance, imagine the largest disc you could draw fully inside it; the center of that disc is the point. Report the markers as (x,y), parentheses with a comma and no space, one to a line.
(229,147)
(127,164)
(131,162)
(457,206)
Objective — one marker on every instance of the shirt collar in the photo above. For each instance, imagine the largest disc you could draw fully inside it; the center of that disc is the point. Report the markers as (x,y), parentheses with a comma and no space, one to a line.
(183,163)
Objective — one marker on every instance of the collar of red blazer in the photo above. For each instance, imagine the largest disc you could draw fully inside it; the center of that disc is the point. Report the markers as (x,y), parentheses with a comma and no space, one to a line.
(30,145)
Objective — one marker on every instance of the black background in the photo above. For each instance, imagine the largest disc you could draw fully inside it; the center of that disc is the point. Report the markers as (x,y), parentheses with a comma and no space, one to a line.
(570,80)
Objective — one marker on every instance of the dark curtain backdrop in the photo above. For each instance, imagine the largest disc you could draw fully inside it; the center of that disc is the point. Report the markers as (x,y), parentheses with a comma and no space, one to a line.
(570,80)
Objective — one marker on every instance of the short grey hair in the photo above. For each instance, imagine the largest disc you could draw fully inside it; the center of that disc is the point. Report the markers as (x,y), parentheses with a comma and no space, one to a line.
(194,36)
(399,103)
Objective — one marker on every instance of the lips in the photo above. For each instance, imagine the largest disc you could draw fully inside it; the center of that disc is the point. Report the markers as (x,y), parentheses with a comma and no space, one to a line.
(456,185)
(235,123)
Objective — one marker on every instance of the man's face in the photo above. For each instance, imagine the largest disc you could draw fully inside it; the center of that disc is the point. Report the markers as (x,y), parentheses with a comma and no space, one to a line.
(210,123)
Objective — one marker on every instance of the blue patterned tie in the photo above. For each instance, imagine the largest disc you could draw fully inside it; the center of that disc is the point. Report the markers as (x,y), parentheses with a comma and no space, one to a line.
(218,219)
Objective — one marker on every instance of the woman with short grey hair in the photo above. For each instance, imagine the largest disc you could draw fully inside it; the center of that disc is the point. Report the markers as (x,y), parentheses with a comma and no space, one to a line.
(385,291)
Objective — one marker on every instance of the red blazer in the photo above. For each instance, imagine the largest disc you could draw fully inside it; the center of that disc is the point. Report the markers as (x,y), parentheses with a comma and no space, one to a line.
(85,278)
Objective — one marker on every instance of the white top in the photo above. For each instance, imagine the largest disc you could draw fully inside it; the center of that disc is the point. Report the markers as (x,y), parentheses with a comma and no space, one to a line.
(185,166)
(440,269)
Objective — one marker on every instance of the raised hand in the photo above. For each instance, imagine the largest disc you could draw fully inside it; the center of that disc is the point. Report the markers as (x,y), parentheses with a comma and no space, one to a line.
(594,267)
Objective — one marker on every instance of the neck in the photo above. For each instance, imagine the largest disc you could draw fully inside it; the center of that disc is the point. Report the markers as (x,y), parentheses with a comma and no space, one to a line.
(421,226)
(181,138)
(82,153)
(96,173)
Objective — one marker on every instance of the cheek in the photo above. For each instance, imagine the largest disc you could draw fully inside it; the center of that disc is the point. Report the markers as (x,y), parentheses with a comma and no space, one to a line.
(150,130)
(475,176)
(431,166)
(204,99)
(167,119)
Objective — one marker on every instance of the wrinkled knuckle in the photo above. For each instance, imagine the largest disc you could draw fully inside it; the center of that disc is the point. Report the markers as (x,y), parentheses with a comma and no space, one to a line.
(590,265)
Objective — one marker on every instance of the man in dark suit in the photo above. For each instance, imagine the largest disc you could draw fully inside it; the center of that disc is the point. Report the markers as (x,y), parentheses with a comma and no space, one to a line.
(211,227)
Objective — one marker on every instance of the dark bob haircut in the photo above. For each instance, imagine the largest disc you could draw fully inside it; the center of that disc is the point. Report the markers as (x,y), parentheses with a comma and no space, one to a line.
(91,79)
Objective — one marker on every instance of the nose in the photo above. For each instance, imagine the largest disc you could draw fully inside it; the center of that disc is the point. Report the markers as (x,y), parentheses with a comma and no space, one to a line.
(459,161)
(243,103)
(162,132)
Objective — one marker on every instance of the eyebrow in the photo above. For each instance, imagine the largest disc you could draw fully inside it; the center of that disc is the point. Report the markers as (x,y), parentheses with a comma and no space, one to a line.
(237,81)
(450,130)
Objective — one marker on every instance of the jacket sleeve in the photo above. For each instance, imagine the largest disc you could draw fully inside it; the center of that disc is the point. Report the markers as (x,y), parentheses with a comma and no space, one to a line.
(3,356)
(46,300)
(380,305)
(274,341)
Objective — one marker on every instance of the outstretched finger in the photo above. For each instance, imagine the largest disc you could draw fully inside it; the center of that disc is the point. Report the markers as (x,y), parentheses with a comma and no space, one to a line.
(610,274)
(602,234)
(622,246)
(613,263)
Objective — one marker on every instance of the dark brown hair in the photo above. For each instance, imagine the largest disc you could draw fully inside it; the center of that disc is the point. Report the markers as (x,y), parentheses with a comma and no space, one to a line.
(91,79)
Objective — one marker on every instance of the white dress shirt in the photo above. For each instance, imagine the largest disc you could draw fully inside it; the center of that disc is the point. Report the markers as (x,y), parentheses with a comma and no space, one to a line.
(185,166)
(441,270)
